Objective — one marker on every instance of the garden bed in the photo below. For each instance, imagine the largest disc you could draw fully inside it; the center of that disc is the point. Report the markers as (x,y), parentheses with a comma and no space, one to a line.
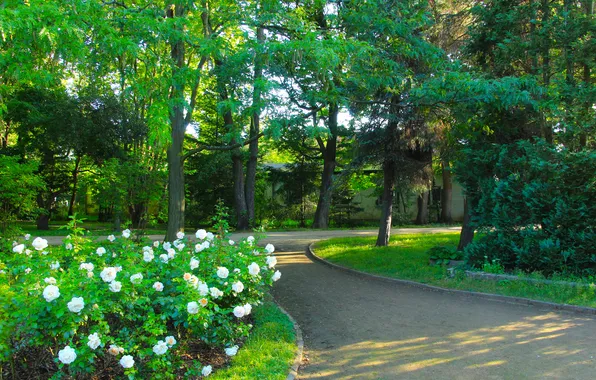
(118,309)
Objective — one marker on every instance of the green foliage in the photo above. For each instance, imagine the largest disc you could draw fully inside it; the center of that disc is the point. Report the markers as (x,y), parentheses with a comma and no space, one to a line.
(442,254)
(536,209)
(129,186)
(493,266)
(133,296)
(19,185)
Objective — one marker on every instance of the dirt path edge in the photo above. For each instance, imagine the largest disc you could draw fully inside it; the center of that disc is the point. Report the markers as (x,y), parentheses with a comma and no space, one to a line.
(494,297)
(293,371)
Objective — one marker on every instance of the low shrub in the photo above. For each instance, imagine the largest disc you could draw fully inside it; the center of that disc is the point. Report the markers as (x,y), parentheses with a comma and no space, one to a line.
(534,205)
(118,308)
(442,254)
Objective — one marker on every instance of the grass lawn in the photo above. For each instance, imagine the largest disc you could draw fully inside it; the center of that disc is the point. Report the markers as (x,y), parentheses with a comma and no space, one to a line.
(269,351)
(407,258)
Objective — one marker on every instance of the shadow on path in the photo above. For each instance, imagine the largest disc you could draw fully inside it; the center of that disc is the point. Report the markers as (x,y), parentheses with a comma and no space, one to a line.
(358,328)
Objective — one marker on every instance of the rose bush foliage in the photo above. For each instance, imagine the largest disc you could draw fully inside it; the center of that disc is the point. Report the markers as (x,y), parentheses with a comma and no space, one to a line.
(138,306)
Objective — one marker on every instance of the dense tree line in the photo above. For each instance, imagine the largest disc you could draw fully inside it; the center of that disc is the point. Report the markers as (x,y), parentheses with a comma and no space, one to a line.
(193,89)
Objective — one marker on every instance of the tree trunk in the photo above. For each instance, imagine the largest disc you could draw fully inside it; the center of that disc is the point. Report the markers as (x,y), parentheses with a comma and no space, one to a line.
(329,156)
(422,216)
(583,137)
(75,178)
(176,194)
(239,198)
(253,148)
(547,132)
(446,193)
(467,232)
(43,222)
(387,212)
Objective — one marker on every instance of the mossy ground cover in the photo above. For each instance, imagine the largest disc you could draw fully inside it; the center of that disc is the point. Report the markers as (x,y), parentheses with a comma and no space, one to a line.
(407,258)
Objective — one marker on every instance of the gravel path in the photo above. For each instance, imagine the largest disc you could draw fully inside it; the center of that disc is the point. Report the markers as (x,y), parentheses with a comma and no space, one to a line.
(358,328)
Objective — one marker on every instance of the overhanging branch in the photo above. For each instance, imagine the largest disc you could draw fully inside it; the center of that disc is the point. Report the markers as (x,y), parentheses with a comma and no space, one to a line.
(201,148)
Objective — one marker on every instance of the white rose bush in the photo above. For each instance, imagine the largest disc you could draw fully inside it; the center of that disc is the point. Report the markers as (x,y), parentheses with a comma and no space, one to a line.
(139,309)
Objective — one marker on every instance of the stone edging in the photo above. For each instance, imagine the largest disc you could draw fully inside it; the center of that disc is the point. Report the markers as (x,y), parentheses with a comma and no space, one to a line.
(499,277)
(493,297)
(293,372)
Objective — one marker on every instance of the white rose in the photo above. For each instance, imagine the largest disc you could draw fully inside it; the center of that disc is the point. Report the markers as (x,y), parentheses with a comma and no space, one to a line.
(115,286)
(27,236)
(210,236)
(100,251)
(156,244)
(115,350)
(167,245)
(247,309)
(127,361)
(271,261)
(136,278)
(94,341)
(87,266)
(239,311)
(222,272)
(231,351)
(160,348)
(164,258)
(215,293)
(180,235)
(231,242)
(194,263)
(50,280)
(148,256)
(147,249)
(250,240)
(126,233)
(201,234)
(67,355)
(158,286)
(51,292)
(111,238)
(108,274)
(18,248)
(40,244)
(28,270)
(171,253)
(203,288)
(276,275)
(206,371)
(254,269)
(192,307)
(238,287)
(170,340)
(236,270)
(55,265)
(270,248)
(76,304)
(180,247)
(69,247)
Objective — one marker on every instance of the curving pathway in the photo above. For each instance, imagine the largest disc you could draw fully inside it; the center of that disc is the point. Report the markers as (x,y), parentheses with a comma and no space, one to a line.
(359,328)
